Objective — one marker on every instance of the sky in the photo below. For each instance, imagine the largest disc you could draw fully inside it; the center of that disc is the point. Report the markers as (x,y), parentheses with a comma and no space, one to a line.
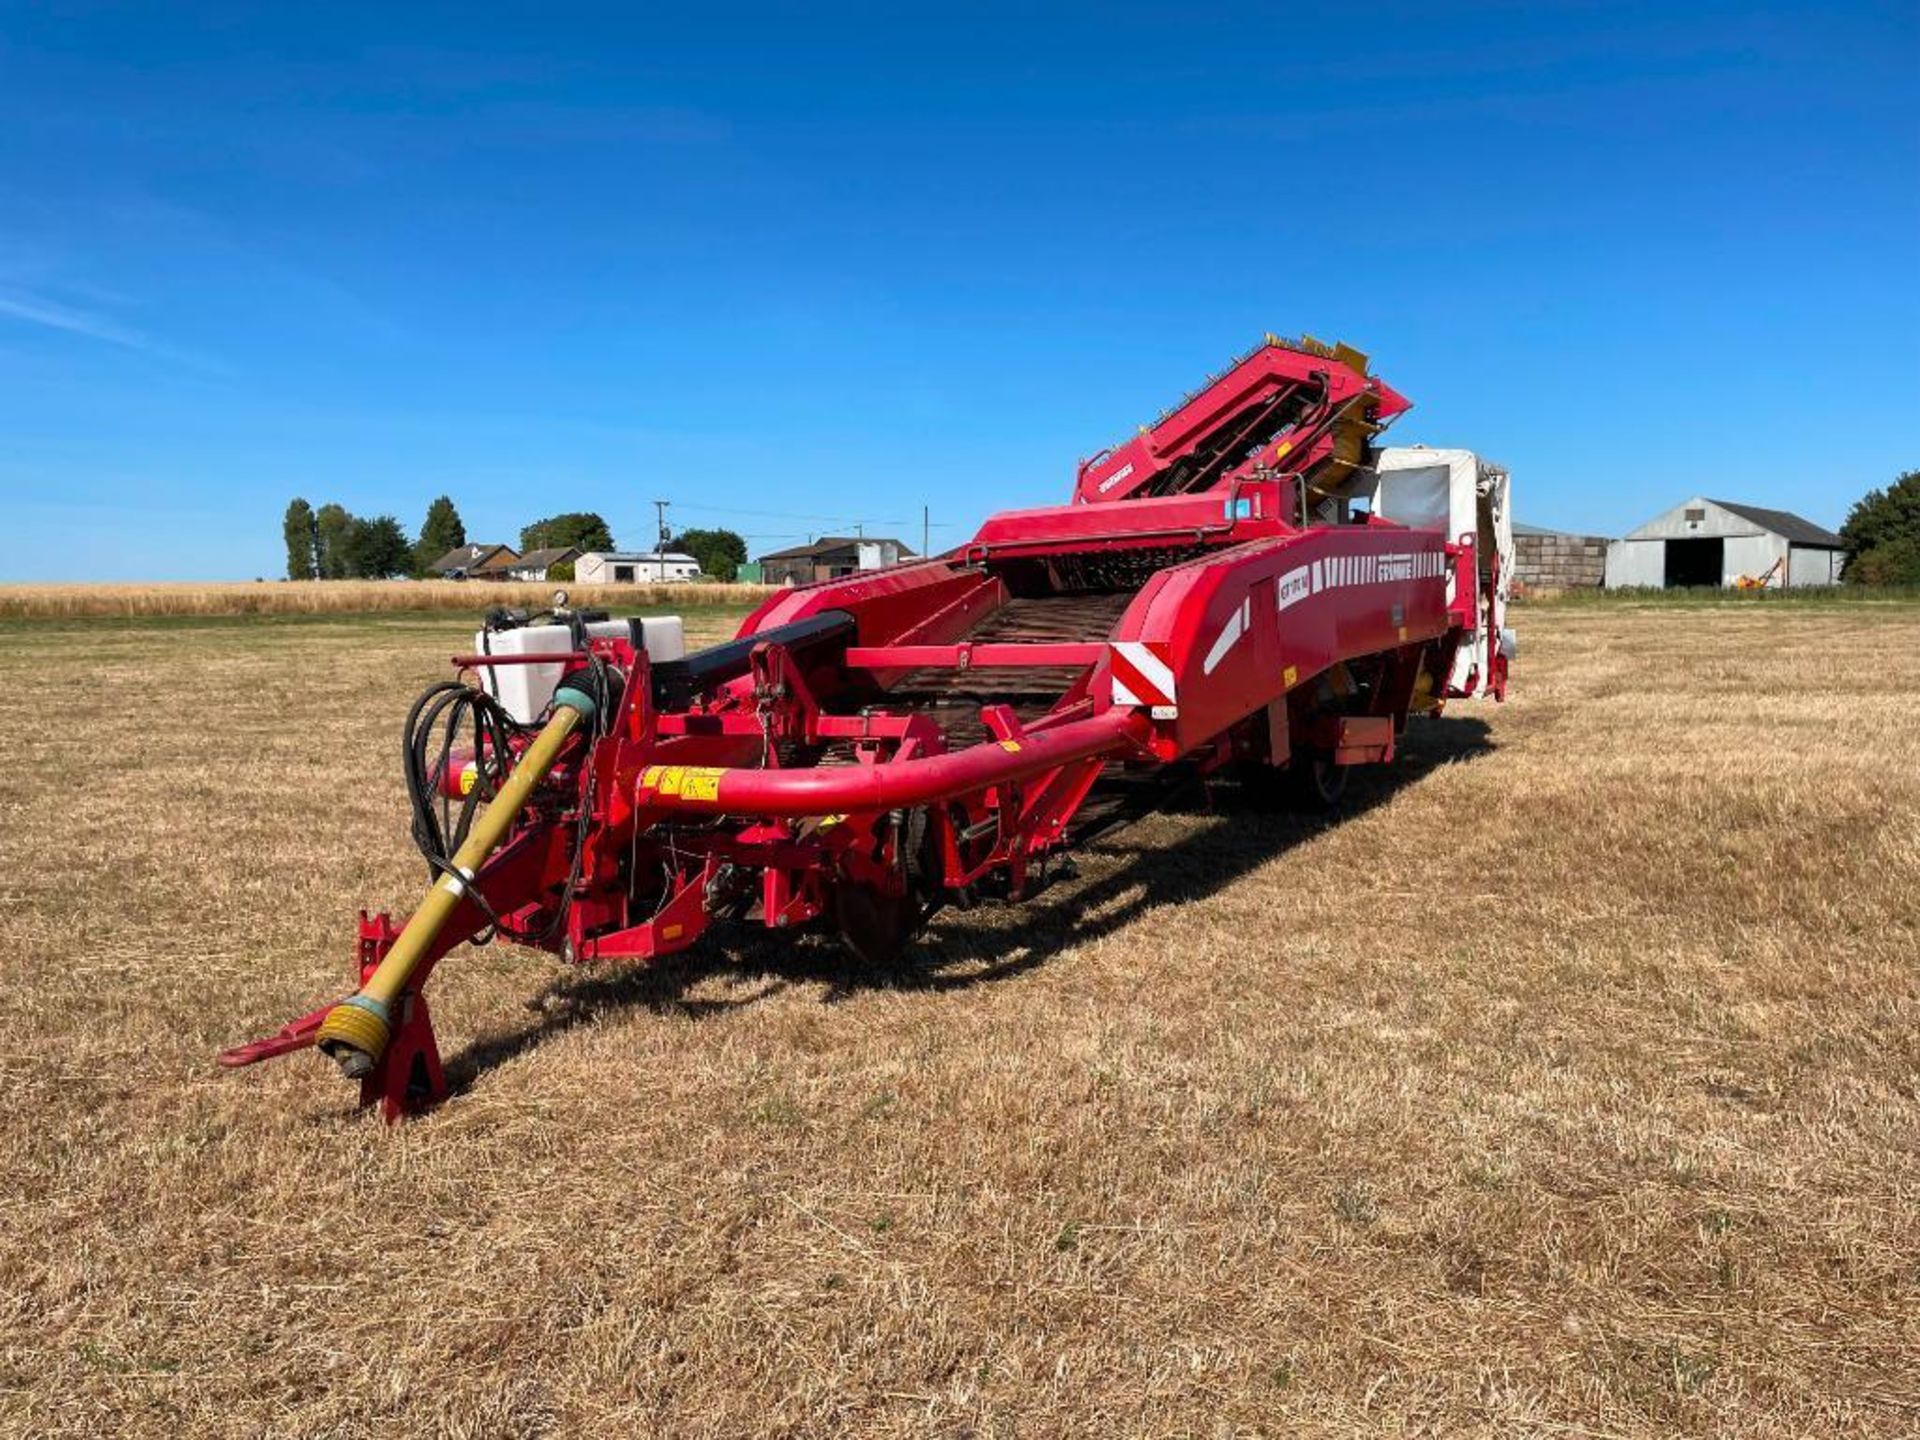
(801,268)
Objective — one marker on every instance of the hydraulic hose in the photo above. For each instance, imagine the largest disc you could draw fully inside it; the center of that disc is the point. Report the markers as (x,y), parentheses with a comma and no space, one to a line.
(357,1030)
(439,828)
(847,789)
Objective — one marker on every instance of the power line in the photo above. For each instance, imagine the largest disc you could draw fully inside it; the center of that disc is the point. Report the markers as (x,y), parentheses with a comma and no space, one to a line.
(793,515)
(764,514)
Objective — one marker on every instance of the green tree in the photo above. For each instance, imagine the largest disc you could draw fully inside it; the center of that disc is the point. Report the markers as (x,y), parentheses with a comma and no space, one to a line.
(1895,563)
(563,572)
(377,549)
(440,532)
(302,540)
(331,527)
(721,553)
(579,528)
(1883,535)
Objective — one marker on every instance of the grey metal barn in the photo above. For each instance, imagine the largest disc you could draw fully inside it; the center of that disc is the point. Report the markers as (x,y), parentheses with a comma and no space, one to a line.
(1717,542)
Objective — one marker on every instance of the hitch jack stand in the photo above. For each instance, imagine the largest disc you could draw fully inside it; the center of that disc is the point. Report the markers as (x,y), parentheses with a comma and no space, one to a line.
(408,1078)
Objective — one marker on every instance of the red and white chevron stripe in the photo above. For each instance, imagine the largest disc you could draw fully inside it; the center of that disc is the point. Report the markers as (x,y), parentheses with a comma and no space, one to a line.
(1142,676)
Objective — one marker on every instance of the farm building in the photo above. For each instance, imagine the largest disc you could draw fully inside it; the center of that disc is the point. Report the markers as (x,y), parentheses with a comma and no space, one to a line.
(628,567)
(1557,560)
(532,566)
(464,561)
(830,557)
(1716,542)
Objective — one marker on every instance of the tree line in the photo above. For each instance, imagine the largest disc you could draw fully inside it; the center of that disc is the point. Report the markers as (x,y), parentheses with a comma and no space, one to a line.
(1882,532)
(1883,535)
(331,543)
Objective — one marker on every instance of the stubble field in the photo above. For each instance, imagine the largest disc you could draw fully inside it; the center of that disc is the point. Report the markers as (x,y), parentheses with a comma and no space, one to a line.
(1569,1085)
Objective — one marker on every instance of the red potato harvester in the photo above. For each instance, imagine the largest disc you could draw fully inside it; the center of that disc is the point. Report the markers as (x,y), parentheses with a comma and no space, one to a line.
(1248,583)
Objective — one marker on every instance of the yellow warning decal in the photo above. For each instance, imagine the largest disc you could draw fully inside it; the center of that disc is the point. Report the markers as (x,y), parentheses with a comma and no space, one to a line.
(469,776)
(1290,676)
(702,783)
(691,782)
(1280,450)
(1012,747)
(1403,632)
(672,932)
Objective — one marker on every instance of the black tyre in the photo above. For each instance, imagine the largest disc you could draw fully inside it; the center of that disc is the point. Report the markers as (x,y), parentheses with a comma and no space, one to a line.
(875,926)
(1309,783)
(1315,782)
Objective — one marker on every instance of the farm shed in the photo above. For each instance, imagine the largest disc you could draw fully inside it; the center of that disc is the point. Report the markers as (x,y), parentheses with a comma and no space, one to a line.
(1717,542)
(466,561)
(830,558)
(1557,560)
(624,567)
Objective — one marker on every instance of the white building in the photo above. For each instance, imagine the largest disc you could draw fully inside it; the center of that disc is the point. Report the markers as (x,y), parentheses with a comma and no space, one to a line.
(1716,542)
(639,567)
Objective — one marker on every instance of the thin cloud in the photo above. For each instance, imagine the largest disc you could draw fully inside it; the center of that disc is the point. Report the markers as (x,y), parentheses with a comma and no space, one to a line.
(37,310)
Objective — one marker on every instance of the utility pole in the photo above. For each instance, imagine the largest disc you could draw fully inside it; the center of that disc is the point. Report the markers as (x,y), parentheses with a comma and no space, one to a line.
(660,506)
(923,532)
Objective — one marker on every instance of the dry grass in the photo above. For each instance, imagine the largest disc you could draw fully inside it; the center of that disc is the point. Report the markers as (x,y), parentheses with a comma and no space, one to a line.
(1569,1086)
(342,597)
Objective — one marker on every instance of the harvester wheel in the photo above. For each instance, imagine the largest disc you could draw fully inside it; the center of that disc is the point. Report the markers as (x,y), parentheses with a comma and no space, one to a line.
(1309,782)
(878,926)
(1316,781)
(874,925)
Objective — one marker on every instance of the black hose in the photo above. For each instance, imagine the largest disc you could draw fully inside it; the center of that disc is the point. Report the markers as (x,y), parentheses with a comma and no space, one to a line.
(447,711)
(452,709)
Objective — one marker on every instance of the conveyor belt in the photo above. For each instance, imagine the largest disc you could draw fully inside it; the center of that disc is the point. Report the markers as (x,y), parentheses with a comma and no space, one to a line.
(953,698)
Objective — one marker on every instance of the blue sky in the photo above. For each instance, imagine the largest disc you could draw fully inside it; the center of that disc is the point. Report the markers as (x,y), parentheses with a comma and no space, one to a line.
(795,267)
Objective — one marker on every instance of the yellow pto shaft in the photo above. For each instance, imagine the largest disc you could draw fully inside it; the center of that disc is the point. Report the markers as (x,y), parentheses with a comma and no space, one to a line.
(356,1031)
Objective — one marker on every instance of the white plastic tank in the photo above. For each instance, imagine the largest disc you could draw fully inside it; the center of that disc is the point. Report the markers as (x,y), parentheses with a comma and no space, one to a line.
(525,690)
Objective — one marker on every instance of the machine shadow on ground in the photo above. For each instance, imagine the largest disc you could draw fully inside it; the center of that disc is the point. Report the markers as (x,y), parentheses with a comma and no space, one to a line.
(1122,876)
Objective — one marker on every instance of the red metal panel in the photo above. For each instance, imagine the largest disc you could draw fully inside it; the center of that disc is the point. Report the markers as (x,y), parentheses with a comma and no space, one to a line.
(1251,623)
(1245,511)
(887,603)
